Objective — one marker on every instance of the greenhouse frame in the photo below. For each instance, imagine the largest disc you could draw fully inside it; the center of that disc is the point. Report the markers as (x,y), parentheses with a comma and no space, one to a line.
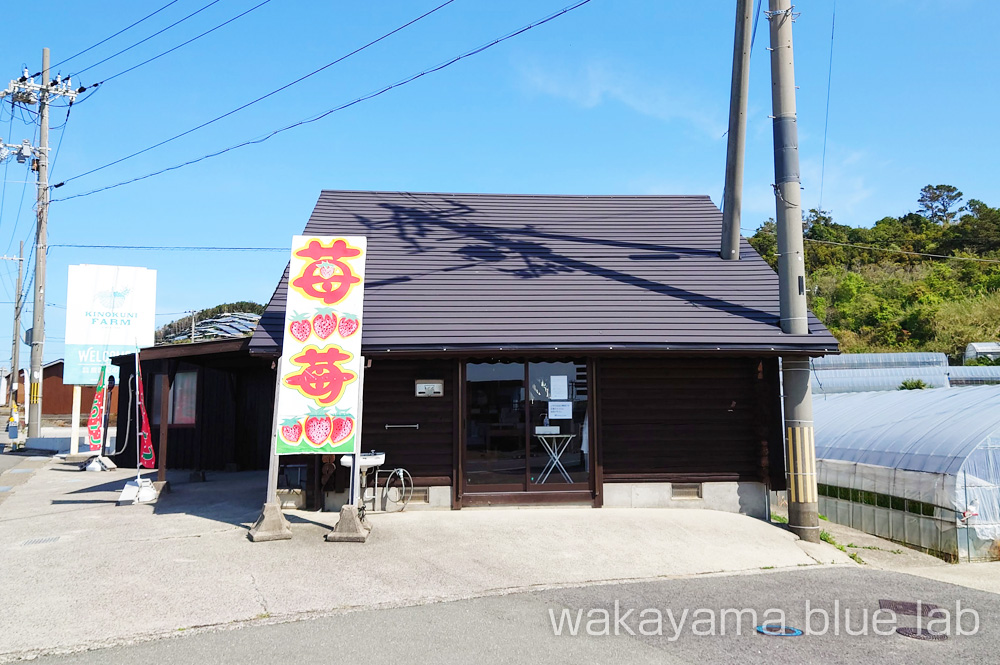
(920,467)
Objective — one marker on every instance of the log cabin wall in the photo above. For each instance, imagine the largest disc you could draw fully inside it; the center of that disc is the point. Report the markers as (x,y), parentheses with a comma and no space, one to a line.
(428,452)
(689,419)
(232,416)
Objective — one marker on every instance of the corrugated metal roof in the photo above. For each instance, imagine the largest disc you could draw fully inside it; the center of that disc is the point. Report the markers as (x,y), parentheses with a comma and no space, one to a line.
(866,380)
(484,271)
(880,360)
(918,430)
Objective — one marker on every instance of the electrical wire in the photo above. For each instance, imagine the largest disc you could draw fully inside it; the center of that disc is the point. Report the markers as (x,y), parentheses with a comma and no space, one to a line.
(129,27)
(826,122)
(143,41)
(902,251)
(20,205)
(262,97)
(326,113)
(6,166)
(62,134)
(181,45)
(756,20)
(197,248)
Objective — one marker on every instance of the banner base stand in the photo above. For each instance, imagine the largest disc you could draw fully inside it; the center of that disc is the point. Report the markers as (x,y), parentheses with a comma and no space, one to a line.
(136,491)
(98,463)
(271,525)
(350,528)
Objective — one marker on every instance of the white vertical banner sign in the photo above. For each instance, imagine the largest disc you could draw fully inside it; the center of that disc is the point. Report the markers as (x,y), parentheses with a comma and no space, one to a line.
(319,399)
(110,310)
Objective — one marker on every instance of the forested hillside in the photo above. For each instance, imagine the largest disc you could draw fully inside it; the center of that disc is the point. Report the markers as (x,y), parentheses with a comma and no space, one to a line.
(183,325)
(876,289)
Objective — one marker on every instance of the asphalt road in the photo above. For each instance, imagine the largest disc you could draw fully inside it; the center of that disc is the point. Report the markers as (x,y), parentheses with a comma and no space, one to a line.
(518,628)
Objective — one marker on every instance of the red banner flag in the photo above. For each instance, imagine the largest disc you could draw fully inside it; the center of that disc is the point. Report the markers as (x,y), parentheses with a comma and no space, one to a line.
(95,424)
(147,458)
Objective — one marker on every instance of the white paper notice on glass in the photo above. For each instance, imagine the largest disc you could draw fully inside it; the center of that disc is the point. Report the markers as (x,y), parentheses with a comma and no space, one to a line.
(560,410)
(560,387)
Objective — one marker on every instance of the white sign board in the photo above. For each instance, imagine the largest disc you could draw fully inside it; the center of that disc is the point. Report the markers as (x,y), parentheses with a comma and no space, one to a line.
(110,310)
(318,405)
(560,410)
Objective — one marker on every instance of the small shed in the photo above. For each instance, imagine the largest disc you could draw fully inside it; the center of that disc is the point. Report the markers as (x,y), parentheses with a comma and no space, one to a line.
(913,465)
(218,406)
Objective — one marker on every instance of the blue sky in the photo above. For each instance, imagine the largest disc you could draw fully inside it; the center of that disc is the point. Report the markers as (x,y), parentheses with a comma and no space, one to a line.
(616,97)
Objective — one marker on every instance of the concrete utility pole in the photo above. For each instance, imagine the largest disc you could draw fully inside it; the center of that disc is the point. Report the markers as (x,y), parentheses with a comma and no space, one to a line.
(733,195)
(803,513)
(41,249)
(15,353)
(193,313)
(28,93)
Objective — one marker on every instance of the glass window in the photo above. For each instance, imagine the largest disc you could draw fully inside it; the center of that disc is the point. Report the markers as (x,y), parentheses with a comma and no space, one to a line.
(182,401)
(557,409)
(494,428)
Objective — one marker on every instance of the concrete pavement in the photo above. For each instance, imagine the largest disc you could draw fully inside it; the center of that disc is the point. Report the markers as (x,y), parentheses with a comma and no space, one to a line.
(518,628)
(78,571)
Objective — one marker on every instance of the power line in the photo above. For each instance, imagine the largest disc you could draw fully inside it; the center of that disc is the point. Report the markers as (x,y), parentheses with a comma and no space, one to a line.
(259,99)
(129,27)
(902,251)
(195,248)
(181,45)
(826,122)
(756,20)
(328,112)
(143,41)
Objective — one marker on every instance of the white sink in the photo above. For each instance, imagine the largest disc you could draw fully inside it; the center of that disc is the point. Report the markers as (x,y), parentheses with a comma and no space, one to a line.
(368,460)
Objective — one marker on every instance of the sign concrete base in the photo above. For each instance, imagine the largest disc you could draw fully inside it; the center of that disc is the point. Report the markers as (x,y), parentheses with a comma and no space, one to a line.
(271,525)
(350,528)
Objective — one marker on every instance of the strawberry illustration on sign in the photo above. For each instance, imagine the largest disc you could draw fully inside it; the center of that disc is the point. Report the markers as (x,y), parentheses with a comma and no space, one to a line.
(318,427)
(299,327)
(342,427)
(319,398)
(291,431)
(348,325)
(324,323)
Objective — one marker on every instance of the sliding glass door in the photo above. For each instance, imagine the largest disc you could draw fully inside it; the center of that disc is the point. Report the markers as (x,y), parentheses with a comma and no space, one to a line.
(526,427)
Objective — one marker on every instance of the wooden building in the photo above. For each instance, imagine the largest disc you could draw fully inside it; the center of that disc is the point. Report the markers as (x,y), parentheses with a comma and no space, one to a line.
(537,349)
(218,414)
(57,397)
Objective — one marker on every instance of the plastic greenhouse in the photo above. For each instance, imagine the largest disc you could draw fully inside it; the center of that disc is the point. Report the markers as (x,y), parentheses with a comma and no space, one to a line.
(920,467)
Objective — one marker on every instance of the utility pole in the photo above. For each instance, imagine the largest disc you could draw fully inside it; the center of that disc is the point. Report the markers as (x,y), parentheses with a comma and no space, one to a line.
(733,194)
(41,249)
(803,509)
(193,313)
(15,354)
(25,91)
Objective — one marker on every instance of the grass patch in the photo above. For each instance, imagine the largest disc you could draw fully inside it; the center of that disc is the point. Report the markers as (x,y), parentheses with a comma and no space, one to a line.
(780,519)
(767,567)
(825,536)
(823,517)
(858,559)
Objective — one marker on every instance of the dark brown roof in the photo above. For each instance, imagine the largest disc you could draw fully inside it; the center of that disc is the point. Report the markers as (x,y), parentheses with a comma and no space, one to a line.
(485,271)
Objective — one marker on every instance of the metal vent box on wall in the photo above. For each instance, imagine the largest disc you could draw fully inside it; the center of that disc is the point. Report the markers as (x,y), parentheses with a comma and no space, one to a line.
(429,388)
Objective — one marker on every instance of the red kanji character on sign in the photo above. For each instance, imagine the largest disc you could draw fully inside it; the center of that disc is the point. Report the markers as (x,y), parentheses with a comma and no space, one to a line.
(321,378)
(328,277)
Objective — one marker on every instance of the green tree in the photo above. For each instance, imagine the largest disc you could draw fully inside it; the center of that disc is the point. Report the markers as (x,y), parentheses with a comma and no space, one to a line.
(939,203)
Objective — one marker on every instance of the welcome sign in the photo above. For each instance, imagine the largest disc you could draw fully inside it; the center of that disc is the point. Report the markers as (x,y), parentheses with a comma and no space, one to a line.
(110,310)
(318,400)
